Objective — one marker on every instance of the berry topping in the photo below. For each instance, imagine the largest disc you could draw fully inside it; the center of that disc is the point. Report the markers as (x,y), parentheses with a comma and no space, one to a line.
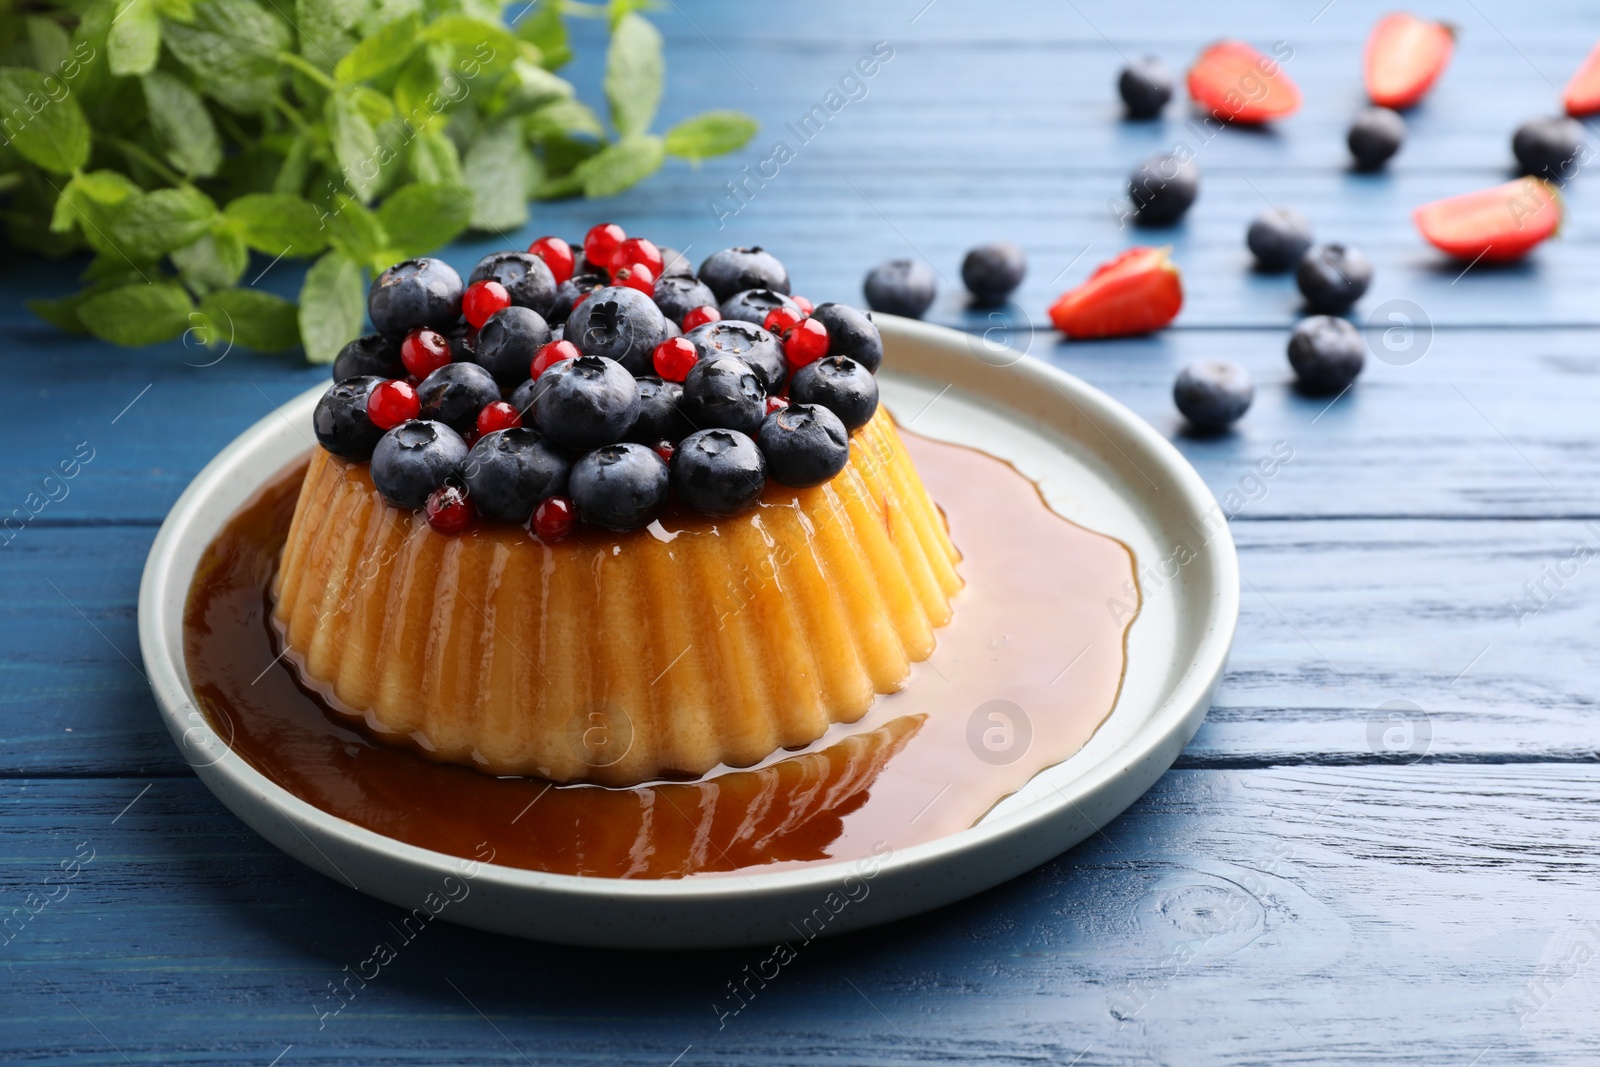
(805,445)
(455,393)
(1374,136)
(660,417)
(735,269)
(747,341)
(483,299)
(719,472)
(341,420)
(448,510)
(753,305)
(498,416)
(511,471)
(839,384)
(635,276)
(551,354)
(851,333)
(780,319)
(665,449)
(1145,85)
(674,358)
(557,255)
(527,279)
(586,402)
(674,263)
(388,405)
(1278,238)
(901,287)
(807,342)
(1213,393)
(417,292)
(619,323)
(600,244)
(776,403)
(636,250)
(508,343)
(803,304)
(424,351)
(676,295)
(699,317)
(1333,277)
(554,519)
(570,293)
(414,459)
(621,486)
(1162,188)
(374,354)
(724,392)
(1326,353)
(993,271)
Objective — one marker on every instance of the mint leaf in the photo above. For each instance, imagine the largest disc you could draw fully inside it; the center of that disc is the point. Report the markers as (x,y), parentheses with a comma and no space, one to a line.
(355,231)
(479,43)
(381,52)
(419,87)
(86,203)
(251,318)
(181,120)
(333,303)
(635,72)
(62,313)
(420,219)
(51,45)
(354,143)
(710,133)
(216,261)
(232,47)
(134,43)
(47,129)
(564,118)
(542,27)
(500,171)
(277,224)
(526,87)
(139,314)
(619,166)
(434,160)
(146,226)
(324,27)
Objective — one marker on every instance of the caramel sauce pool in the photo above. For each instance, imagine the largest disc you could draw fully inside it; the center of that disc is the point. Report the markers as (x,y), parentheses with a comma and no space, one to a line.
(1021,678)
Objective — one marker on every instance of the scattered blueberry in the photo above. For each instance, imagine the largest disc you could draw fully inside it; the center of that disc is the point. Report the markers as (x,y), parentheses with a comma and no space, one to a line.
(1326,353)
(724,392)
(1146,86)
(508,342)
(1213,393)
(586,402)
(568,294)
(416,292)
(673,264)
(1549,147)
(620,486)
(805,445)
(1162,189)
(993,271)
(509,471)
(1333,277)
(372,354)
(678,294)
(414,459)
(851,333)
(1278,238)
(455,393)
(660,417)
(755,346)
(341,421)
(618,323)
(527,278)
(901,287)
(735,269)
(719,471)
(1375,135)
(839,384)
(752,305)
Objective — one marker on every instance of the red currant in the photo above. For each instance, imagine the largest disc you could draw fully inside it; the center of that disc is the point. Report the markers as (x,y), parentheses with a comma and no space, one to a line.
(448,510)
(805,343)
(780,319)
(600,244)
(498,416)
(557,255)
(392,403)
(674,358)
(424,351)
(549,355)
(776,403)
(635,276)
(645,253)
(806,306)
(665,449)
(699,317)
(483,299)
(554,518)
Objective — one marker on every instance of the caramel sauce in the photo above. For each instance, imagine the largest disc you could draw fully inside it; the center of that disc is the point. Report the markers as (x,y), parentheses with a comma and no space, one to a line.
(1023,676)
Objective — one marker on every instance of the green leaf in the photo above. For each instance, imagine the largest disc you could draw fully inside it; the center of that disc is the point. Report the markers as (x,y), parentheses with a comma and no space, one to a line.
(325,25)
(525,88)
(232,47)
(500,173)
(277,224)
(86,203)
(542,27)
(354,143)
(710,133)
(250,317)
(434,160)
(139,314)
(51,45)
(216,261)
(381,52)
(181,120)
(635,72)
(296,166)
(618,166)
(62,313)
(333,302)
(420,219)
(418,94)
(44,123)
(564,118)
(356,232)
(134,43)
(481,45)
(147,226)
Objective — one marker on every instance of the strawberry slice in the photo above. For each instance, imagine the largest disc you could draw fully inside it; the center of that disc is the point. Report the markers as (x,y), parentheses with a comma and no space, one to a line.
(1405,56)
(1582,94)
(1238,84)
(1498,225)
(1137,292)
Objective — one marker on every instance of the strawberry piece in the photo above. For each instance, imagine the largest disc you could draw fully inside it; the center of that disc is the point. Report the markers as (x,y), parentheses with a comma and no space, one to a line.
(1137,292)
(1582,94)
(1405,56)
(1238,84)
(1498,225)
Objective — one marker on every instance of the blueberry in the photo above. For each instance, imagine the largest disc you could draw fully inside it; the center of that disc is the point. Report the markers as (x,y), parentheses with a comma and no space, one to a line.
(455,393)
(341,421)
(620,486)
(372,354)
(678,294)
(416,292)
(839,384)
(568,292)
(1162,189)
(508,342)
(1333,277)
(586,402)
(509,471)
(805,445)
(1146,86)
(1375,135)
(1550,148)
(724,392)
(558,331)
(993,271)
(734,269)
(901,287)
(851,333)
(522,398)
(1213,393)
(660,415)
(460,337)
(752,305)
(1278,238)
(526,278)
(674,265)
(1326,353)
(755,346)
(719,472)
(618,323)
(414,459)
(673,330)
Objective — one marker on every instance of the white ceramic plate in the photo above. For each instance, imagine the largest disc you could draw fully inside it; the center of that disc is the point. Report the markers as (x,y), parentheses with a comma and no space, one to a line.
(1098,465)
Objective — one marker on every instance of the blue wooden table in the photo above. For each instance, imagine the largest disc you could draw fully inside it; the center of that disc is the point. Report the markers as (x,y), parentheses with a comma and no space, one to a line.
(1316,882)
